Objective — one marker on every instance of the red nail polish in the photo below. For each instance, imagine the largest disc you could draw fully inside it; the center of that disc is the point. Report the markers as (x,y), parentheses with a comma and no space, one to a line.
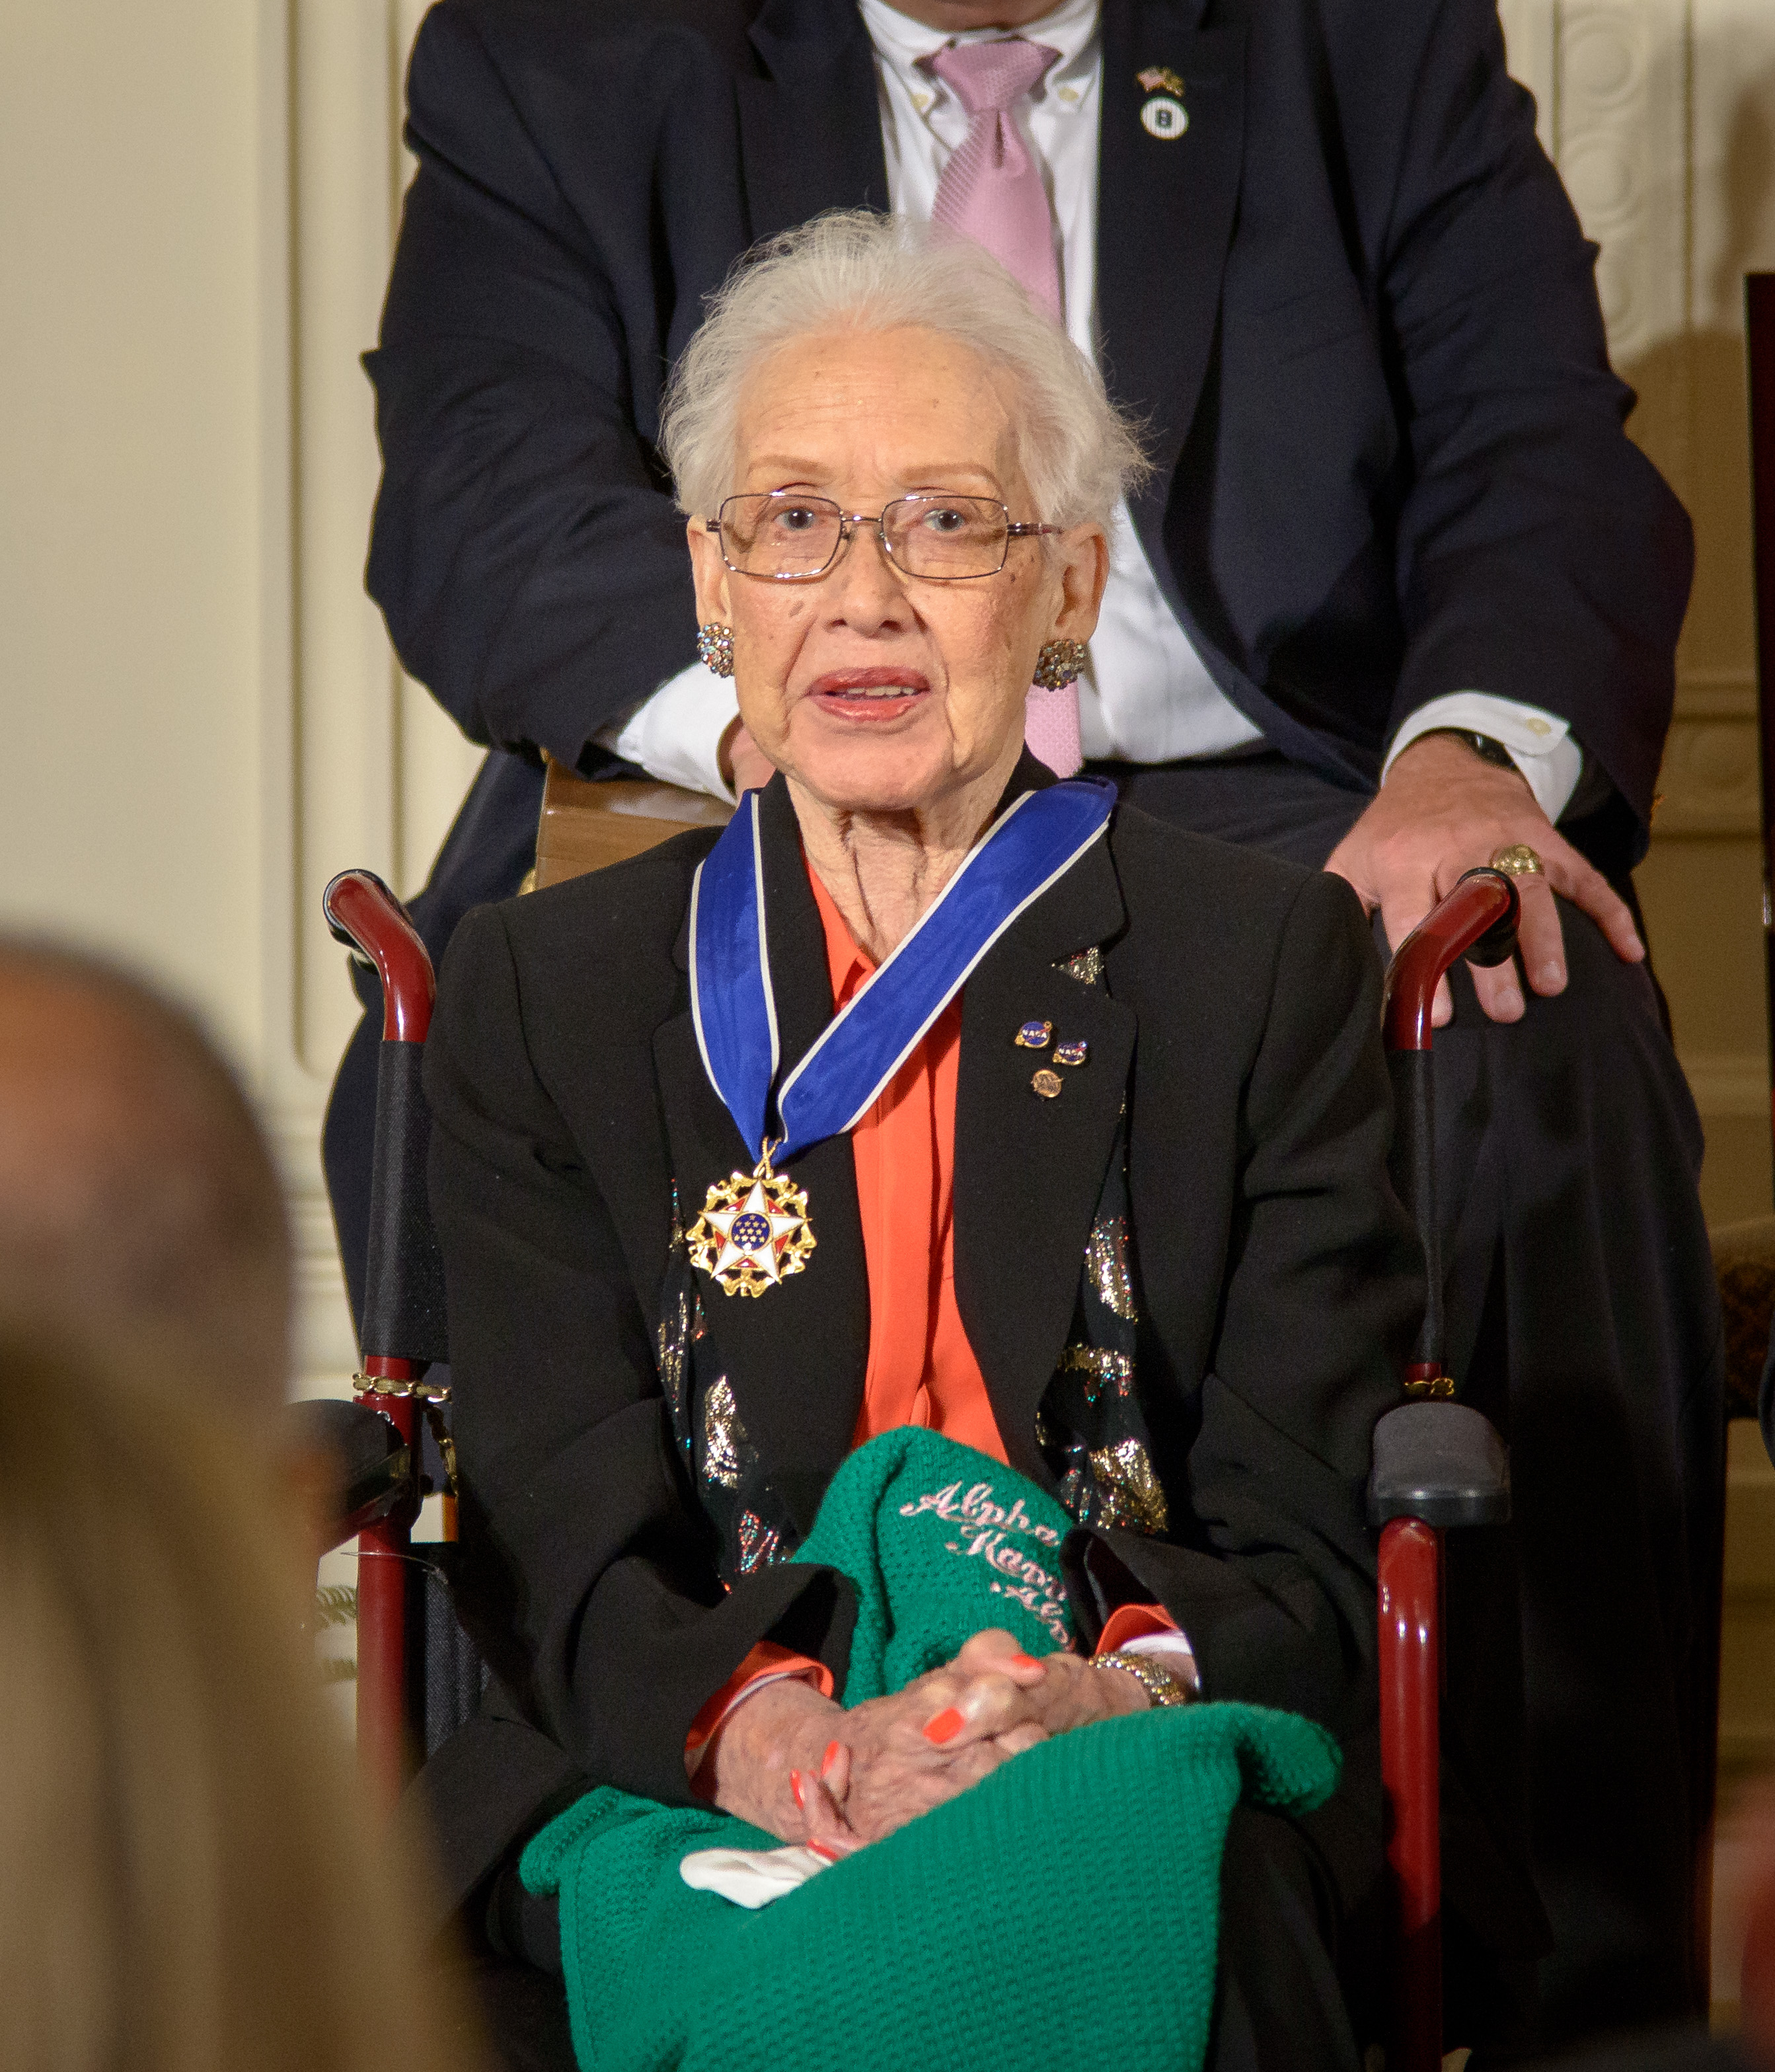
(823,1849)
(1020,1660)
(797,1785)
(945,1727)
(829,1757)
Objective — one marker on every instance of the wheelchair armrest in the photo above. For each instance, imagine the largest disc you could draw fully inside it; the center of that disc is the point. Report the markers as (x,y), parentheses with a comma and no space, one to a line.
(368,1469)
(1441,1463)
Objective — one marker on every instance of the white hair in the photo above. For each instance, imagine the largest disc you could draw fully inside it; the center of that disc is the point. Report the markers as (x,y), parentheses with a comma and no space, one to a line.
(854,270)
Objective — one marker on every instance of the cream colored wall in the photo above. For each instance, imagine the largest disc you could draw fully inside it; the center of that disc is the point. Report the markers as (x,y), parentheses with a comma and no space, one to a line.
(130,489)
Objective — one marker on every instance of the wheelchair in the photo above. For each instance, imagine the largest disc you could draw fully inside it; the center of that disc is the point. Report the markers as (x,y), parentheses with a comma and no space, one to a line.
(1437,1465)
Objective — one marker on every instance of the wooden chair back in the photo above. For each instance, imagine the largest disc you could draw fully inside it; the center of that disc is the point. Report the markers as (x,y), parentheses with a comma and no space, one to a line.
(585,825)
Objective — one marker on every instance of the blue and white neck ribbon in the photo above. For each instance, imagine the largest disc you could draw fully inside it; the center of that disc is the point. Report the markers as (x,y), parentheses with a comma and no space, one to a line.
(1037,841)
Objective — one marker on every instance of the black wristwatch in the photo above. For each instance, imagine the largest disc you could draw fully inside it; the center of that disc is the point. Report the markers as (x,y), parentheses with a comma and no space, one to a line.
(1482,745)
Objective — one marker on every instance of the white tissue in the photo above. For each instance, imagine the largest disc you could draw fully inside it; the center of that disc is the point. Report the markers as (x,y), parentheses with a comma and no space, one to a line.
(749,1878)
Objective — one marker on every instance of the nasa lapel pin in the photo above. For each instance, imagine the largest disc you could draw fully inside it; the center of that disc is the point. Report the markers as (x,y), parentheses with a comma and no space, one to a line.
(1162,113)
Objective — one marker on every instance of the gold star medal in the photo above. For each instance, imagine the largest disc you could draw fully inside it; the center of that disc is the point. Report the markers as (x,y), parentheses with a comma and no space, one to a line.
(754,1230)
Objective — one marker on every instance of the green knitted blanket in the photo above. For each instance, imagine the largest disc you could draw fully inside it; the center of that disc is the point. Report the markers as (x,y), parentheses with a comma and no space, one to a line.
(962,1933)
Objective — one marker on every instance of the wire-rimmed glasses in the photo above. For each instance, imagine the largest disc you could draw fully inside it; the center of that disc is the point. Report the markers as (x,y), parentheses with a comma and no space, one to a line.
(785,536)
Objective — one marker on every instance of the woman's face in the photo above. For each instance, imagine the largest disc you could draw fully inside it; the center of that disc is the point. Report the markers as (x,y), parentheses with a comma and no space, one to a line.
(873,689)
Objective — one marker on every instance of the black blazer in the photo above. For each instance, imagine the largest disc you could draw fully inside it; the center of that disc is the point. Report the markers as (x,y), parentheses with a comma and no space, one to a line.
(1280,1282)
(1351,302)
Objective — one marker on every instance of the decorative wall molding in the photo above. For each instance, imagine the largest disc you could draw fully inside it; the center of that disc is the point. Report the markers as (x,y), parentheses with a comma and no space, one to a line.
(1609,79)
(1716,694)
(1710,784)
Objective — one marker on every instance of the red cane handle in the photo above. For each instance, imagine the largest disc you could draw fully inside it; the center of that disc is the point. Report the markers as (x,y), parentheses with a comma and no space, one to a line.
(365,915)
(1477,919)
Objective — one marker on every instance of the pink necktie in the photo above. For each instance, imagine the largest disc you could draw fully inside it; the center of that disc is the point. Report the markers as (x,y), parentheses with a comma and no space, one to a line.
(991,191)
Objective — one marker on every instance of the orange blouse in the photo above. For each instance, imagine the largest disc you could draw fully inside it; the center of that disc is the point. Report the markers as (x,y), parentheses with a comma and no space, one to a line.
(921,1370)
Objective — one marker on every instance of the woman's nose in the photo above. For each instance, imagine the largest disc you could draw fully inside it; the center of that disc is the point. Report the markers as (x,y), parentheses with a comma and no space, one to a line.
(867,591)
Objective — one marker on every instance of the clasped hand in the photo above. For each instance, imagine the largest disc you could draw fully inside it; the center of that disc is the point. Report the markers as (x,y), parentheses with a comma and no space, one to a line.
(802,1767)
(1443,812)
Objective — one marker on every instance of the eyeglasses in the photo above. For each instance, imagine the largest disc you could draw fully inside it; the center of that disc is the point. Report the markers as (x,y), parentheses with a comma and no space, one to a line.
(781,536)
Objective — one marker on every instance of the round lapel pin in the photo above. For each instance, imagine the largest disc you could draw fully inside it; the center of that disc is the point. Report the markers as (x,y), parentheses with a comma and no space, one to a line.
(1164,117)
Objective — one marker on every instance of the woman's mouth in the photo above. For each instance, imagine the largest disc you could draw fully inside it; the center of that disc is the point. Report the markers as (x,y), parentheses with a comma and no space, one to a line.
(871,696)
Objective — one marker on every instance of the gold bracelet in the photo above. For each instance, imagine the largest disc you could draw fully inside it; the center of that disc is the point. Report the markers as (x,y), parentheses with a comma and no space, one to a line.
(1159,1685)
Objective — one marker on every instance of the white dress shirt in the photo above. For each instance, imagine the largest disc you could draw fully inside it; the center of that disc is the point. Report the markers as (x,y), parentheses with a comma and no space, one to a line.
(1145,695)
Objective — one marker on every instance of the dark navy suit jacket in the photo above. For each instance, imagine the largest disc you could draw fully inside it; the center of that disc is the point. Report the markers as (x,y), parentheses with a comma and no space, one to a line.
(1351,302)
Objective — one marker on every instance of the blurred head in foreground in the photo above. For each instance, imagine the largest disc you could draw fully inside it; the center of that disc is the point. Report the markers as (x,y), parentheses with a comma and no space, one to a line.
(186,1882)
(140,1211)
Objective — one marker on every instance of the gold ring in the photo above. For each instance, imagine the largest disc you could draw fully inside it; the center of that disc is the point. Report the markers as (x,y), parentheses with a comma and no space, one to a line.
(1518,860)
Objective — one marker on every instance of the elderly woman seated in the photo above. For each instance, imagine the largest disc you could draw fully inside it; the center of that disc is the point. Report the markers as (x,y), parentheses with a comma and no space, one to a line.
(940,1148)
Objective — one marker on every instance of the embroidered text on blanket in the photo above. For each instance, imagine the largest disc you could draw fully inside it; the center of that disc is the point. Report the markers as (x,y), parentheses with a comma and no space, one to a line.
(993,1530)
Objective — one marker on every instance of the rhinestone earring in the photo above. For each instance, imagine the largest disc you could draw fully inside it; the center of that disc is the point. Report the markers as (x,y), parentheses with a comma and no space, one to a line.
(715,648)
(1059,664)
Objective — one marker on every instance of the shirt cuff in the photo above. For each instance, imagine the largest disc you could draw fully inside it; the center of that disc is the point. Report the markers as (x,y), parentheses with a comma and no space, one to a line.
(675,735)
(1150,1629)
(765,1663)
(1540,742)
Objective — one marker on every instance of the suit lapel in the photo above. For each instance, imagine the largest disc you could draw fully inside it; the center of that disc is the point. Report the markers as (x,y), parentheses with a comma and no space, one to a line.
(794,1356)
(1028,1170)
(810,131)
(1165,211)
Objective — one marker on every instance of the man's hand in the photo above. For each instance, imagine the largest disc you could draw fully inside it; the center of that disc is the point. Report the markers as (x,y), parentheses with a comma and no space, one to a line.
(1443,811)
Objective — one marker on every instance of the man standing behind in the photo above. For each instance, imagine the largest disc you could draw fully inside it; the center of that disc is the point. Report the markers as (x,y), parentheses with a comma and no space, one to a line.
(1400,598)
